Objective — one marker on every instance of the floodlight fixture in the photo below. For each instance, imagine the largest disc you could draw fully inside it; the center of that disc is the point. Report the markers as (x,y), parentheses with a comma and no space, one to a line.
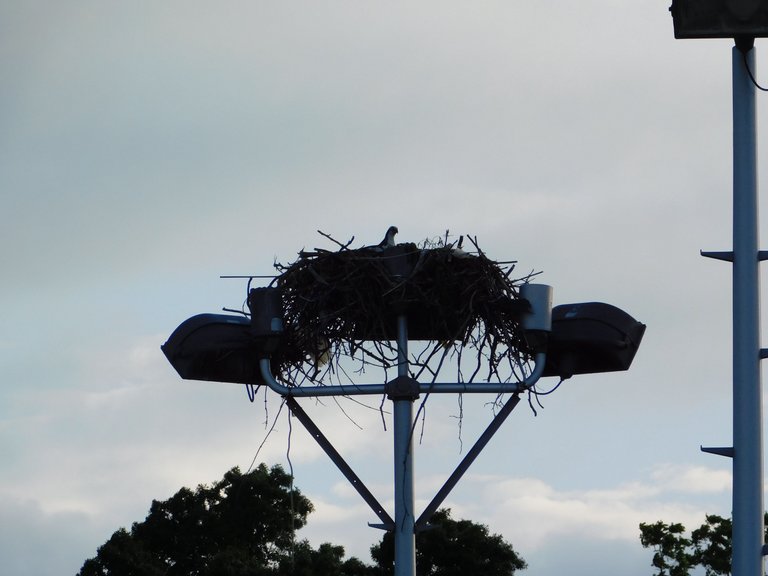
(720,18)
(215,347)
(591,337)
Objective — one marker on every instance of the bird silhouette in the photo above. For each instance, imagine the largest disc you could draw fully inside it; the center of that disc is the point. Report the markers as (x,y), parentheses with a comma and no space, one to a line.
(387,242)
(389,238)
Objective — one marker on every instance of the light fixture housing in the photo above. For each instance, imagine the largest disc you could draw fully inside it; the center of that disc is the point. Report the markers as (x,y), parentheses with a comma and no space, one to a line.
(720,18)
(217,348)
(591,337)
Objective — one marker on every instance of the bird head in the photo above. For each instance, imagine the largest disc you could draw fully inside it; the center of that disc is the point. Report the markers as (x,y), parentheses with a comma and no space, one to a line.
(390,236)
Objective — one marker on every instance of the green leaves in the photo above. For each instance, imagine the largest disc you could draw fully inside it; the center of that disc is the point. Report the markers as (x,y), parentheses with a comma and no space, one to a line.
(671,548)
(243,525)
(709,546)
(712,545)
(454,548)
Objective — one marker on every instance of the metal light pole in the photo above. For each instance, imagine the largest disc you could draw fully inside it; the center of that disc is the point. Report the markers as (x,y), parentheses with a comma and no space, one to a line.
(747,450)
(402,410)
(570,339)
(747,391)
(742,20)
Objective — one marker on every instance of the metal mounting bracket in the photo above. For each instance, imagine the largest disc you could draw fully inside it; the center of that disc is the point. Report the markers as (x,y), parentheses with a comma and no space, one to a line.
(721,451)
(402,388)
(762,255)
(724,256)
(341,464)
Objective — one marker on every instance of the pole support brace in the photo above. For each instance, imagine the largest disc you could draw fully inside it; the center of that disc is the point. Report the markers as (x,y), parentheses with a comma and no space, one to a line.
(762,255)
(718,255)
(719,451)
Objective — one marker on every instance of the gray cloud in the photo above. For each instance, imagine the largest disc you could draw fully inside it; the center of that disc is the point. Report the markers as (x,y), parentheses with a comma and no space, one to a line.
(35,542)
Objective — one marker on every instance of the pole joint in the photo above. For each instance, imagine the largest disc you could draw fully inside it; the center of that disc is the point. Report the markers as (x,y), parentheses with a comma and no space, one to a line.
(402,388)
(744,43)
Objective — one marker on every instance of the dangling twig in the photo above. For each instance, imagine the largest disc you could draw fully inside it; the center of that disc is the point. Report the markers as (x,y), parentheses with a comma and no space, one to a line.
(269,433)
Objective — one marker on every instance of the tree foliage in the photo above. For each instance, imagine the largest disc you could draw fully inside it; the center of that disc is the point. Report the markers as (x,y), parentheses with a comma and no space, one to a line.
(712,545)
(671,556)
(245,524)
(453,548)
(675,554)
(327,559)
(242,525)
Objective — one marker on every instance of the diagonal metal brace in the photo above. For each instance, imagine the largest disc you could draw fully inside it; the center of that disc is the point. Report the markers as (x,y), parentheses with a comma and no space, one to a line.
(341,464)
(498,420)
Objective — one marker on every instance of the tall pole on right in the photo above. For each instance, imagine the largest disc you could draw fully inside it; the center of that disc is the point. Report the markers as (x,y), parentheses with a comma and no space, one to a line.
(747,559)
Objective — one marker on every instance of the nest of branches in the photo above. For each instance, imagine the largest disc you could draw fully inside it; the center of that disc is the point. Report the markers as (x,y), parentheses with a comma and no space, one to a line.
(344,304)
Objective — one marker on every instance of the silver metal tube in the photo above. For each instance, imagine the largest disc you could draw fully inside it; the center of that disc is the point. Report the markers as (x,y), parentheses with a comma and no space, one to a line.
(402,413)
(540,360)
(306,391)
(747,557)
(435,388)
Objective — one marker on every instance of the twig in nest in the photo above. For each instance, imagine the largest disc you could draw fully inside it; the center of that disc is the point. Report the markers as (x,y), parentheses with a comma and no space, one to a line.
(332,239)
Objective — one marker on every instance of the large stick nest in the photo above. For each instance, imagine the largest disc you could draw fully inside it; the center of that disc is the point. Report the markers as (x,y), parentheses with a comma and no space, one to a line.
(344,304)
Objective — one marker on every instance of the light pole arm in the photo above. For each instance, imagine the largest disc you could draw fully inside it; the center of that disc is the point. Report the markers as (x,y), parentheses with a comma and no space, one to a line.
(433,387)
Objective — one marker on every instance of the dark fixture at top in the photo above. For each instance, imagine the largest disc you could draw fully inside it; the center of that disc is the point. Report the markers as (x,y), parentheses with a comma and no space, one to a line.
(720,18)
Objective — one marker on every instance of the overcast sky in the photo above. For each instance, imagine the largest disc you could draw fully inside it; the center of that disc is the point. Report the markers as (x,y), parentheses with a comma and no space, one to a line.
(146,148)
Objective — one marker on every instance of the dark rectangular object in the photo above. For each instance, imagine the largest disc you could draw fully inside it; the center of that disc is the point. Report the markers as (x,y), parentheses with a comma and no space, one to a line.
(215,347)
(591,337)
(720,18)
